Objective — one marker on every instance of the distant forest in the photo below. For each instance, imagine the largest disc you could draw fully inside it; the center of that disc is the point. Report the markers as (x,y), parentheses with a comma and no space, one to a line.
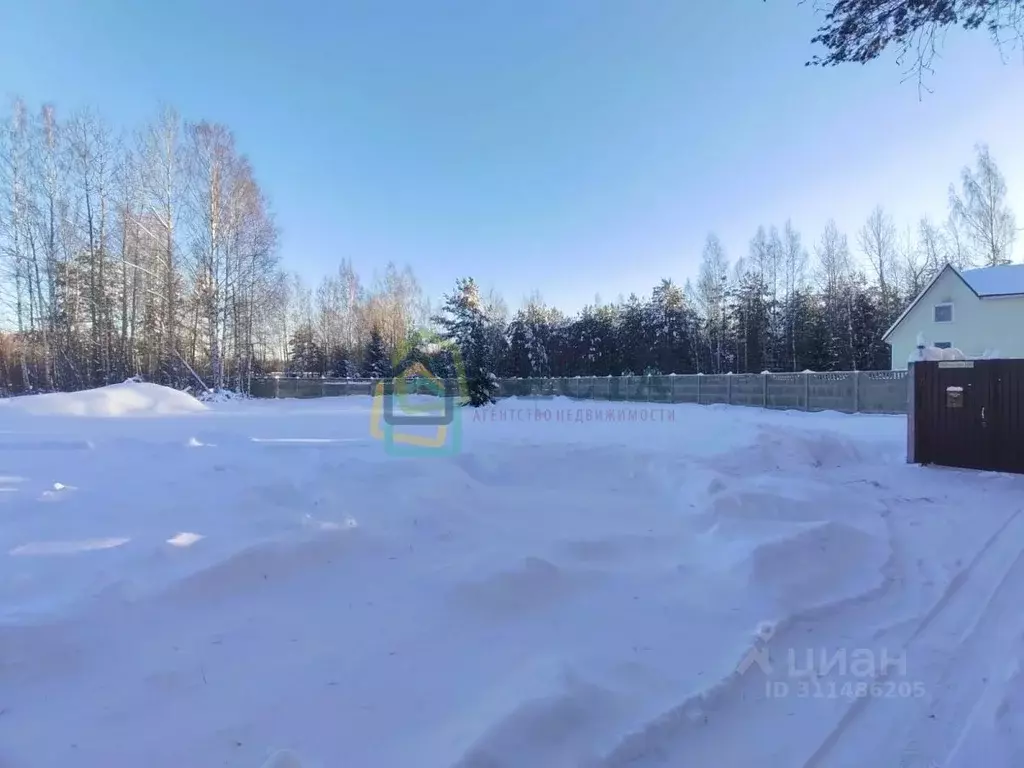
(154,253)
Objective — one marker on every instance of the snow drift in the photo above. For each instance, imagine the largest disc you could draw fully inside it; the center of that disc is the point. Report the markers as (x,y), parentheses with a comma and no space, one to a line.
(132,398)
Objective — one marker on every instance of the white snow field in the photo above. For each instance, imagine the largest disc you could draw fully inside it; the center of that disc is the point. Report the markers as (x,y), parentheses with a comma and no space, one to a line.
(201,585)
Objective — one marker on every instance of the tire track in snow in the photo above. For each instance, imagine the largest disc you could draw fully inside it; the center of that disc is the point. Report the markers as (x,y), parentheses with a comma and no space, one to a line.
(702,729)
(688,731)
(960,631)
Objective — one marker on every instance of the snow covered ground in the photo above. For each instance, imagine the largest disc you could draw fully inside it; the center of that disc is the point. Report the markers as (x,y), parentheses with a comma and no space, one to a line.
(190,584)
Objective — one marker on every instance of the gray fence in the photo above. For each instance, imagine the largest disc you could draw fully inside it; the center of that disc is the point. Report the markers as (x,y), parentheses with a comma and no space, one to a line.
(847,391)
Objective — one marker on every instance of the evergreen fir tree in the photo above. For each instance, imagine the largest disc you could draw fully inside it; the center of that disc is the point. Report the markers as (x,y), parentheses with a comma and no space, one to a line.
(376,361)
(442,363)
(305,354)
(805,331)
(869,323)
(339,362)
(813,338)
(464,323)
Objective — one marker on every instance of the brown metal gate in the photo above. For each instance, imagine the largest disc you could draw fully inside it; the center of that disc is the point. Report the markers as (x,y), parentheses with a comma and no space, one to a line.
(968,413)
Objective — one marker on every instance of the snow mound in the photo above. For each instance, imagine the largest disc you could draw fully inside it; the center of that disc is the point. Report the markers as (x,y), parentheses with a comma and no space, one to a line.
(817,564)
(776,449)
(541,717)
(283,759)
(256,566)
(787,551)
(524,586)
(132,398)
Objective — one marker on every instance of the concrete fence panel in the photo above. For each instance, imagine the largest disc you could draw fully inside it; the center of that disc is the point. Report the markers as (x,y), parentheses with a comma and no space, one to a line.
(714,389)
(747,389)
(883,392)
(661,388)
(264,388)
(846,391)
(786,390)
(832,391)
(686,389)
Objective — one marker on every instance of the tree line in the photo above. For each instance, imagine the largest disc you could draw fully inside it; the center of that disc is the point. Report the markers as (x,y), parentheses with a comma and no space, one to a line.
(145,253)
(154,252)
(785,305)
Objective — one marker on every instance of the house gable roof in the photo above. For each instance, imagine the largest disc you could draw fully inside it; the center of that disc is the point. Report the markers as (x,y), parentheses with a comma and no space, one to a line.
(986,282)
(922,294)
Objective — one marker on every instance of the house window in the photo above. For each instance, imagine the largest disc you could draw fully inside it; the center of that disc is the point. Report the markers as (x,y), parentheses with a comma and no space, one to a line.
(944,344)
(943,313)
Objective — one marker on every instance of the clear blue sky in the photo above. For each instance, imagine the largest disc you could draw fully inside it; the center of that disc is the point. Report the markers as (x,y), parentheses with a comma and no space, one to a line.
(576,147)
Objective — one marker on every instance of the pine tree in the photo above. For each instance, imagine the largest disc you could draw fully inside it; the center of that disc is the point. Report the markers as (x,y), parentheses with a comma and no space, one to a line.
(529,334)
(593,337)
(868,325)
(496,350)
(633,337)
(750,322)
(519,343)
(667,338)
(560,356)
(464,323)
(813,338)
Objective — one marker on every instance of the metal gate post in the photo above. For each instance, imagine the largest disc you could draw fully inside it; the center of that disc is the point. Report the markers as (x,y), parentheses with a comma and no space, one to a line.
(911,413)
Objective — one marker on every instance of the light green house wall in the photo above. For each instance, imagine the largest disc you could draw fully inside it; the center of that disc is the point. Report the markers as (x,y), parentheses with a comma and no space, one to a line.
(979,324)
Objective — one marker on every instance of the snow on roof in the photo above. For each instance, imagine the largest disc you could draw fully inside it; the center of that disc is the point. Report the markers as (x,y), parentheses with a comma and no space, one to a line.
(1005,280)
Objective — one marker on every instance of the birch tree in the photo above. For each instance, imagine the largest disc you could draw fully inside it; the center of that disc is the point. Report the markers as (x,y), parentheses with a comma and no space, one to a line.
(163,189)
(980,208)
(794,271)
(878,244)
(711,293)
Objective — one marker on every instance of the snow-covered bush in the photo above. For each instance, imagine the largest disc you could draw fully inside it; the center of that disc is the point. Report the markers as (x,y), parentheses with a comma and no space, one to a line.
(220,396)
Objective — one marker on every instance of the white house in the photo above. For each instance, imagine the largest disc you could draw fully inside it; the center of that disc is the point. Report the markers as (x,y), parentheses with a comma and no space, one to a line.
(977,311)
